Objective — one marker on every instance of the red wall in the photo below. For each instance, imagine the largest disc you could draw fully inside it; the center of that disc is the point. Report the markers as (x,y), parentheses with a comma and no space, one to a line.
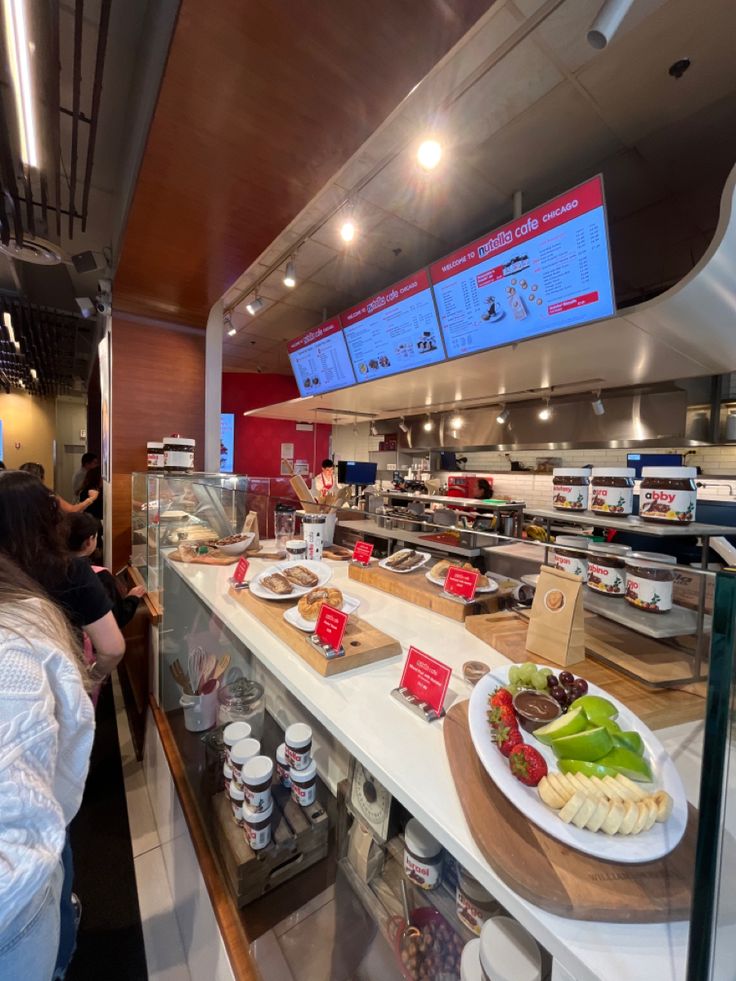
(258,441)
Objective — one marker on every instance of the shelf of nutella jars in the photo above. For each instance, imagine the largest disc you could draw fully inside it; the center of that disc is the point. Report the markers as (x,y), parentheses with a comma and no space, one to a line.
(449,925)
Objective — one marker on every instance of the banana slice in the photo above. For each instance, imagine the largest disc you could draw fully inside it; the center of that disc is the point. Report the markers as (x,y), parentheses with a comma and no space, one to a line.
(549,795)
(633,792)
(664,805)
(614,818)
(651,812)
(599,787)
(572,807)
(583,783)
(615,790)
(560,785)
(631,815)
(641,818)
(585,812)
(599,815)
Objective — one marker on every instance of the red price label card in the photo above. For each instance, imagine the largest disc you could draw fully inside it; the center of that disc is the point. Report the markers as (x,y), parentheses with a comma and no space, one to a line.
(426,678)
(241,570)
(461,582)
(331,626)
(362,552)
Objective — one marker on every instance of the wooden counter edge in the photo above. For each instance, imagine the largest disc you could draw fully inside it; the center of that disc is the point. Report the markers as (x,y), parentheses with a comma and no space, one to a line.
(150,599)
(226,912)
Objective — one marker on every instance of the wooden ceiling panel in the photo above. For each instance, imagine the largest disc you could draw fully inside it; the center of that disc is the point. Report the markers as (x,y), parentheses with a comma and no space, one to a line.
(260,105)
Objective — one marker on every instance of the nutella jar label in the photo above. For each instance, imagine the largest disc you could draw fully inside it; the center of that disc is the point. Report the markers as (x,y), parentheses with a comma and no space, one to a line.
(606,579)
(612,500)
(155,460)
(422,874)
(652,595)
(299,759)
(571,563)
(178,460)
(468,913)
(282,772)
(257,800)
(570,497)
(237,810)
(303,793)
(256,836)
(677,506)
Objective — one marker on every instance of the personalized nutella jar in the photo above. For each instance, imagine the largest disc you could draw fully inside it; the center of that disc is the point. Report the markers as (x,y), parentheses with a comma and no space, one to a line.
(422,856)
(257,828)
(236,802)
(612,490)
(256,777)
(572,555)
(155,456)
(282,766)
(242,751)
(179,453)
(607,568)
(298,743)
(232,734)
(313,530)
(649,582)
(228,775)
(668,494)
(570,488)
(474,904)
(304,785)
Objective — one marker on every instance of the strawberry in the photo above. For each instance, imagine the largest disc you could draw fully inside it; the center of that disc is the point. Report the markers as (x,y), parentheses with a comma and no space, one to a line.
(527,765)
(501,696)
(507,739)
(502,715)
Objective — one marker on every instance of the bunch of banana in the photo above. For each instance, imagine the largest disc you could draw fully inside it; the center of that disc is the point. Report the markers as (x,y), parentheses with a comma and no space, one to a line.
(614,805)
(537,533)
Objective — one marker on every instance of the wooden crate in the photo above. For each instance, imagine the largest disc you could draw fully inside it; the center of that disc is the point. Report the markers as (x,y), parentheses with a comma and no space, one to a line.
(298,840)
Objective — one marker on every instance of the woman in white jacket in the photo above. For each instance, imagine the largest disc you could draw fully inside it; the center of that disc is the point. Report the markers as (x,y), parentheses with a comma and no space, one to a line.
(46,732)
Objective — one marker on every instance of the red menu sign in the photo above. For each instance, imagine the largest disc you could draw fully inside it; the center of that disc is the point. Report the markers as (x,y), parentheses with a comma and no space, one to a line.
(241,570)
(362,552)
(331,625)
(426,678)
(461,582)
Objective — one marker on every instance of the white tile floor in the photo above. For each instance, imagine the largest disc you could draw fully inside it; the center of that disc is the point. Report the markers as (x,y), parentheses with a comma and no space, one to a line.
(164,948)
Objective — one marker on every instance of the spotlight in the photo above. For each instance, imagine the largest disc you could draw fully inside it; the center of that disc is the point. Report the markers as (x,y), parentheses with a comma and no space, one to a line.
(403,426)
(374,431)
(18,47)
(428,425)
(348,230)
(503,415)
(254,305)
(429,154)
(456,422)
(608,22)
(34,374)
(599,408)
(232,332)
(290,274)
(545,413)
(228,324)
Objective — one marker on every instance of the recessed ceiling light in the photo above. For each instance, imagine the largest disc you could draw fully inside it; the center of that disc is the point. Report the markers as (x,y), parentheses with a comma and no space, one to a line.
(348,230)
(429,154)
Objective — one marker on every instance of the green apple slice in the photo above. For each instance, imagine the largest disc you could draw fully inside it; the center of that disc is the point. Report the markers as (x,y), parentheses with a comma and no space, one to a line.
(627,762)
(587,768)
(596,708)
(629,740)
(589,745)
(566,725)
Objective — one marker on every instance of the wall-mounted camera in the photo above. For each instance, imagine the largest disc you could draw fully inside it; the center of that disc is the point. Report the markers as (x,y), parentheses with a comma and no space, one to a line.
(103,307)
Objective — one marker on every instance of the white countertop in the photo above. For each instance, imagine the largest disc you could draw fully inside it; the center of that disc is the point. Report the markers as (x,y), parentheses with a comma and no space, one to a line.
(408,756)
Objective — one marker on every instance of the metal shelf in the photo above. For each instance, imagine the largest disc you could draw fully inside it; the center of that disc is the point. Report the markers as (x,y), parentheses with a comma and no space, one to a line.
(462,502)
(678,622)
(632,523)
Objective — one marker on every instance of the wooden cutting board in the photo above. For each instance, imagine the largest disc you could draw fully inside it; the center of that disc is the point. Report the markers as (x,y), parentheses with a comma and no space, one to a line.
(417,589)
(657,708)
(551,875)
(205,559)
(363,643)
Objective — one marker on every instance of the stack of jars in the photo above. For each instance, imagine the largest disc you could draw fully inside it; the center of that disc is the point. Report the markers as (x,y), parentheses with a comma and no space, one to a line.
(296,753)
(248,777)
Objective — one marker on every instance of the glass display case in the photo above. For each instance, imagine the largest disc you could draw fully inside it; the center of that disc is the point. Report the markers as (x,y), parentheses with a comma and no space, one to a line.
(167,509)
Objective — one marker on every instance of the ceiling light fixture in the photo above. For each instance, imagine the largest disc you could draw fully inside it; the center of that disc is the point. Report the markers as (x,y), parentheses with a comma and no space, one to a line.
(290,273)
(456,423)
(373,430)
(428,425)
(403,426)
(599,408)
(545,413)
(254,305)
(34,374)
(503,416)
(429,154)
(348,230)
(608,22)
(228,324)
(16,39)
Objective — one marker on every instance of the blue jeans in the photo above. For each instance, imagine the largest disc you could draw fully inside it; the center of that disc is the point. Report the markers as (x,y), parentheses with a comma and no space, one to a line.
(28,947)
(67,916)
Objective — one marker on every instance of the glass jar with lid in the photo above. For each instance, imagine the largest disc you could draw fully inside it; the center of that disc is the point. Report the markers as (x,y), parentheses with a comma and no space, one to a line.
(242,701)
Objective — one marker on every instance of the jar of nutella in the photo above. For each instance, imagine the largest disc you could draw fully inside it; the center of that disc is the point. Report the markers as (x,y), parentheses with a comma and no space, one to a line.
(649,582)
(228,775)
(232,734)
(508,952)
(570,488)
(179,453)
(296,548)
(282,766)
(422,856)
(474,904)
(572,555)
(256,777)
(298,743)
(607,568)
(242,751)
(257,828)
(304,784)
(236,802)
(313,530)
(668,494)
(612,490)
(155,456)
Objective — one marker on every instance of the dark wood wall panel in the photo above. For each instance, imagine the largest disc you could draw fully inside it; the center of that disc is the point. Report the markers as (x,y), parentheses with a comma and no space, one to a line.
(157,389)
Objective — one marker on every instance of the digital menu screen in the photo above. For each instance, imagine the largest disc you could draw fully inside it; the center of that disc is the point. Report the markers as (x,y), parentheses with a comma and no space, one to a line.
(394,331)
(543,272)
(320,360)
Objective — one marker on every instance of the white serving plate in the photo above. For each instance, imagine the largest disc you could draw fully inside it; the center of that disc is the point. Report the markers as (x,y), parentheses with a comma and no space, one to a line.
(645,847)
(320,569)
(492,586)
(425,558)
(349,605)
(237,548)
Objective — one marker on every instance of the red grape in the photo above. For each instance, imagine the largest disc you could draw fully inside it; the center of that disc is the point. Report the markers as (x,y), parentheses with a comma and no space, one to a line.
(552,681)
(566,678)
(559,694)
(580,687)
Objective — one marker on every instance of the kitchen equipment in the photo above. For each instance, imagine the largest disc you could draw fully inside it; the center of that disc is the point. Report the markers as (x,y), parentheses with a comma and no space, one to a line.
(200,711)
(547,873)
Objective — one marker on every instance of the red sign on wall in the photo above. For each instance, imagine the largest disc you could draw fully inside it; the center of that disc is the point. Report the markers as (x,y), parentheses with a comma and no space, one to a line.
(426,678)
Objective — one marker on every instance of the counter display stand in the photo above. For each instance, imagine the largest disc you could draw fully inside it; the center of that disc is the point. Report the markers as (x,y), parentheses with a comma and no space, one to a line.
(687,665)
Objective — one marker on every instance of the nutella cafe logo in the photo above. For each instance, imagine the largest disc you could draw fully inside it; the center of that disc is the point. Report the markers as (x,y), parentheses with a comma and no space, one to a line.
(659,496)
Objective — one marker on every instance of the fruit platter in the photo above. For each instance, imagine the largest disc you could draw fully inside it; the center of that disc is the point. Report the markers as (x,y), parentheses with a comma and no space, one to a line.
(577,763)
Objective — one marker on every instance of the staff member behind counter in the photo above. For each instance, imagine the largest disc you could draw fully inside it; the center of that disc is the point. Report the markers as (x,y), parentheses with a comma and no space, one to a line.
(325,483)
